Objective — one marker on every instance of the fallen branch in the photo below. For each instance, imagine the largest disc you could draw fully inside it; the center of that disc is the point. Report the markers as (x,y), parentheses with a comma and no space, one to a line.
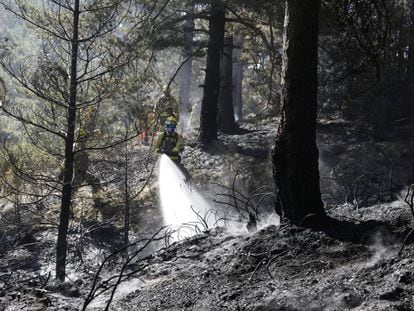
(109,284)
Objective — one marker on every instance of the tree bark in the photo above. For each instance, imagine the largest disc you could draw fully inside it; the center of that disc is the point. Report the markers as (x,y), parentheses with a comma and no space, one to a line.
(61,247)
(410,58)
(208,117)
(227,122)
(127,198)
(295,156)
(237,79)
(409,78)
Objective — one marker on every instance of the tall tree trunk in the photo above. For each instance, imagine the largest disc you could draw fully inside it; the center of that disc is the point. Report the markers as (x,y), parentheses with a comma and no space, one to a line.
(186,70)
(208,117)
(227,122)
(409,80)
(126,198)
(237,78)
(410,59)
(61,247)
(296,154)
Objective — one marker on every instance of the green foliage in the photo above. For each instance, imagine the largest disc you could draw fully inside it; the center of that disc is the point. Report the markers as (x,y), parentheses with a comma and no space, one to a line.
(27,171)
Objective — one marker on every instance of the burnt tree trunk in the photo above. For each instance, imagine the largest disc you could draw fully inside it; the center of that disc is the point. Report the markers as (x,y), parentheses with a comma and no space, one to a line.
(295,156)
(208,117)
(61,246)
(409,81)
(126,198)
(410,58)
(227,122)
(237,79)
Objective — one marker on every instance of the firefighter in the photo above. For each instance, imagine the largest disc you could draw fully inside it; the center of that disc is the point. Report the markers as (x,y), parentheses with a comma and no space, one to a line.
(167,106)
(82,163)
(145,125)
(171,144)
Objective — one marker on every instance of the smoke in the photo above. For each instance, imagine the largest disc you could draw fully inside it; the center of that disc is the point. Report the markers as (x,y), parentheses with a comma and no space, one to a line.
(184,125)
(380,251)
(186,211)
(123,290)
(270,220)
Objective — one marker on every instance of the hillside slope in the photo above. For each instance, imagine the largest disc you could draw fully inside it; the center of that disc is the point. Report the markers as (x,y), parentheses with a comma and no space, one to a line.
(353,264)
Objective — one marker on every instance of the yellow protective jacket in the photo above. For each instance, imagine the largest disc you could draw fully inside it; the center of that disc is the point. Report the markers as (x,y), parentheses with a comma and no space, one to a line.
(171,145)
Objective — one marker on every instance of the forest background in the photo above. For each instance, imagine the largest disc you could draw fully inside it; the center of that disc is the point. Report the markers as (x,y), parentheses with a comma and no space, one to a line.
(83,76)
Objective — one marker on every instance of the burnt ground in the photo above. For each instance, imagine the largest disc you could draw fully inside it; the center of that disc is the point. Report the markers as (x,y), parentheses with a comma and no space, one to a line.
(277,268)
(356,263)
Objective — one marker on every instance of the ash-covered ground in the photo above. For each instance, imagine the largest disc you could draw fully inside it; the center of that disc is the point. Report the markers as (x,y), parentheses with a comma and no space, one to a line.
(360,261)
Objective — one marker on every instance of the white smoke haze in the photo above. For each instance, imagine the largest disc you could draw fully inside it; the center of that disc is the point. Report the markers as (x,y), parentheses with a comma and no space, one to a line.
(187,213)
(124,289)
(184,124)
(380,251)
(272,219)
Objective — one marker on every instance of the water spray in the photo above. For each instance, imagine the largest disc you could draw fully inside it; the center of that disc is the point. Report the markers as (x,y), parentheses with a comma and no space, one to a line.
(183,208)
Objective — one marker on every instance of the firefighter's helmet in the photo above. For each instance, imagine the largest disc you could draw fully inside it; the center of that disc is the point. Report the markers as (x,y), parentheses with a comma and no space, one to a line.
(171,121)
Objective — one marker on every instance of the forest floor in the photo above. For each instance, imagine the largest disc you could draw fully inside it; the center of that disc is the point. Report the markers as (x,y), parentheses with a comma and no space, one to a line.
(358,262)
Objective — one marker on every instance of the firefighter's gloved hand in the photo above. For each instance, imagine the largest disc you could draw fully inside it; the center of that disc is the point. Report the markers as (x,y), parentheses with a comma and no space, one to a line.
(165,151)
(162,150)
